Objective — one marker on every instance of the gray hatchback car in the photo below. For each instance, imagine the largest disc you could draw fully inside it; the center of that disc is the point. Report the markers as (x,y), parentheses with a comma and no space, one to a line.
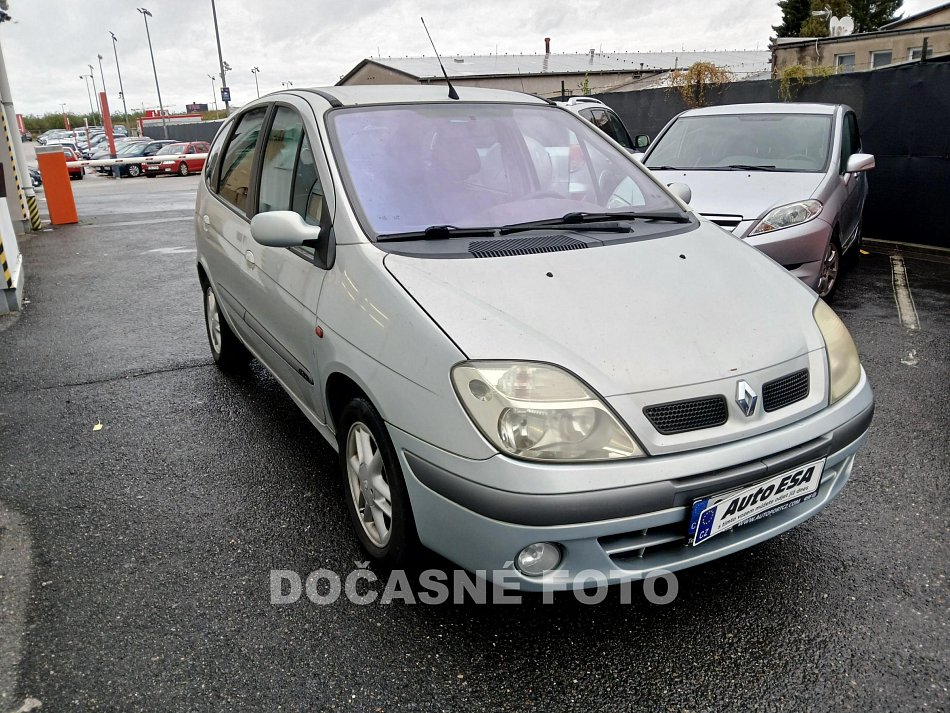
(530,356)
(786,178)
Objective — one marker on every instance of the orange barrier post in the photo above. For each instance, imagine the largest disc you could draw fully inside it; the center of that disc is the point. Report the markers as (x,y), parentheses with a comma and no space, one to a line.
(59,192)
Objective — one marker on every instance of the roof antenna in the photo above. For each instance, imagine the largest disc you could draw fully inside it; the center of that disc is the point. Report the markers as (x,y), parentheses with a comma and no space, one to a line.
(452,93)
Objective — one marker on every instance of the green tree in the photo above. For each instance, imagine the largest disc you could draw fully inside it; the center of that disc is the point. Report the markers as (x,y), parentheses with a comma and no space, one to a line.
(794,15)
(871,15)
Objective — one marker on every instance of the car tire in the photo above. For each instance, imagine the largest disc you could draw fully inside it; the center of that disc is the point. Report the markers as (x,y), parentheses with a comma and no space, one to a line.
(829,273)
(227,351)
(150,175)
(373,482)
(134,170)
(183,169)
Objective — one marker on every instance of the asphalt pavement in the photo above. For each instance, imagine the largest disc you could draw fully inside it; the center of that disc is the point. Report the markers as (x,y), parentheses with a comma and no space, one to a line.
(138,555)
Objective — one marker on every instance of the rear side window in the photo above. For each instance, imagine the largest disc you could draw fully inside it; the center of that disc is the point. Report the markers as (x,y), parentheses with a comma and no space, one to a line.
(235,182)
(212,161)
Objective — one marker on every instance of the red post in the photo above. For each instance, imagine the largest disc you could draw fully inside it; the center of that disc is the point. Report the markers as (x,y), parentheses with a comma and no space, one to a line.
(107,123)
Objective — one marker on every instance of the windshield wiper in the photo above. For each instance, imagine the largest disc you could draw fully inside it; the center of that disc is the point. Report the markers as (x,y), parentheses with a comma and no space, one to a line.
(438,232)
(735,167)
(601,222)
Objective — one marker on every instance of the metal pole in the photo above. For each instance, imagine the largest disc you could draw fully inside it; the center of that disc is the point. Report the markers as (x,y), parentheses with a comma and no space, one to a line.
(214,97)
(92,109)
(224,79)
(145,15)
(121,90)
(95,89)
(103,76)
(255,71)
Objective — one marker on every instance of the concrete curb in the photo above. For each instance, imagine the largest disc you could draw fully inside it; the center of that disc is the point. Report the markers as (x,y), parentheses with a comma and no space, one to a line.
(892,246)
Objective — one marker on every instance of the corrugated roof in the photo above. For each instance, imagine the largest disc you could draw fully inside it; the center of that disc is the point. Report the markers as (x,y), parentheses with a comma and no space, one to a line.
(738,61)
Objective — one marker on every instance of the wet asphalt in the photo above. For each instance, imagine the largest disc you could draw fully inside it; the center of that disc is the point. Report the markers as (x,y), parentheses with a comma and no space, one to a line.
(152,539)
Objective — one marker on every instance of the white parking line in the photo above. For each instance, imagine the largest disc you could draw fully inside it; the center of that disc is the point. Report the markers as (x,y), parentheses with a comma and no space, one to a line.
(906,309)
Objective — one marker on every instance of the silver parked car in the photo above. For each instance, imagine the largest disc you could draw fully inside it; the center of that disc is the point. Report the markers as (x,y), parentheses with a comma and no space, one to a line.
(786,178)
(531,357)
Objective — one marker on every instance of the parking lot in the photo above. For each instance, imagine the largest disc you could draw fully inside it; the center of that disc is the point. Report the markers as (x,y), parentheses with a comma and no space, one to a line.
(141,552)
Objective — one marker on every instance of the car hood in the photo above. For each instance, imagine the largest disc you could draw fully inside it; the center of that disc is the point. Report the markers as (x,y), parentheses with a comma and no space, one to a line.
(628,317)
(748,194)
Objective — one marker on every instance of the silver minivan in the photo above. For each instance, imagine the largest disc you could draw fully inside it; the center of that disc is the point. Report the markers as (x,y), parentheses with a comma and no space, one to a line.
(789,179)
(530,356)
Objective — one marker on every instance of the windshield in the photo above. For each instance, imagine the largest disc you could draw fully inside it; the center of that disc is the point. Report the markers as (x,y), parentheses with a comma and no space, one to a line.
(172,149)
(784,142)
(407,168)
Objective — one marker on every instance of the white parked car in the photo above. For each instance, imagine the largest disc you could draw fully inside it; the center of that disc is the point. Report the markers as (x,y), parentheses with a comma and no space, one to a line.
(532,366)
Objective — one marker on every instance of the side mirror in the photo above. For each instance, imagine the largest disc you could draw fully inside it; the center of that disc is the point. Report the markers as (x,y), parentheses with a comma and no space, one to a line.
(681,191)
(283,229)
(641,141)
(859,162)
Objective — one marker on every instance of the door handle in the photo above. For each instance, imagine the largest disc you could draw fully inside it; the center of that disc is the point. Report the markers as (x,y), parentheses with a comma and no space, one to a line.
(207,221)
(249,257)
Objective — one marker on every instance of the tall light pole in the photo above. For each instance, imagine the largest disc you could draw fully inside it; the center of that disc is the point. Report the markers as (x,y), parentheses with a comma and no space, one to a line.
(225,96)
(121,90)
(95,89)
(161,109)
(214,97)
(255,71)
(105,91)
(92,109)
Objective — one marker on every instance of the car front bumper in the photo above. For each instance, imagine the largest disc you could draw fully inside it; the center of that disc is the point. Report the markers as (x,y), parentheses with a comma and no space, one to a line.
(800,249)
(623,532)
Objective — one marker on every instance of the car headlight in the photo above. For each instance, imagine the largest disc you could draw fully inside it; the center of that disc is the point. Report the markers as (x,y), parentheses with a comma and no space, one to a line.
(844,366)
(788,215)
(540,412)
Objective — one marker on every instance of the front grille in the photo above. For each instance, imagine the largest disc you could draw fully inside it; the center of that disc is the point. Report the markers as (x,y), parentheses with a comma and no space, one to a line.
(524,246)
(784,391)
(689,415)
(726,222)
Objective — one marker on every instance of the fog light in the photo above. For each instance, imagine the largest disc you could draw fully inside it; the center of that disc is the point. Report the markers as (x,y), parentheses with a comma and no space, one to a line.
(534,560)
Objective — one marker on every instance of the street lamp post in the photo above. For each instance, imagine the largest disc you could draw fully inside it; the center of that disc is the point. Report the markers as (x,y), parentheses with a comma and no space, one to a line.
(95,89)
(92,109)
(214,97)
(104,90)
(255,71)
(161,109)
(221,63)
(121,90)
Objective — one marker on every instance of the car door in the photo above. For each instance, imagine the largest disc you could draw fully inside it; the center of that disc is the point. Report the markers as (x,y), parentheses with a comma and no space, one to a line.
(224,221)
(195,164)
(853,185)
(293,173)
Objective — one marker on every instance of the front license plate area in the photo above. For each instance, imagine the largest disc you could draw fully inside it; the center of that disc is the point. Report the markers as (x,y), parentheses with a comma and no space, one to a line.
(715,514)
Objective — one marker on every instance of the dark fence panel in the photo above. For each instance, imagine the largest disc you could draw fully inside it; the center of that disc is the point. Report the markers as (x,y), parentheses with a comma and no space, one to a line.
(199,131)
(904,115)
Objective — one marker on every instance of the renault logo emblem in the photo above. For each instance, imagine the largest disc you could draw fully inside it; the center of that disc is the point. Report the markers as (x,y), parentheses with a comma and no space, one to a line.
(746,398)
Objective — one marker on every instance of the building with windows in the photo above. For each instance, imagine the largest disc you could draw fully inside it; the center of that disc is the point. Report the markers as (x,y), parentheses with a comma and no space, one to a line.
(904,40)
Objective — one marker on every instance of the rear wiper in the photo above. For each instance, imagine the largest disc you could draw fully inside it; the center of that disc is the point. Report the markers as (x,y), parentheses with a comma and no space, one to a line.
(438,232)
(602,222)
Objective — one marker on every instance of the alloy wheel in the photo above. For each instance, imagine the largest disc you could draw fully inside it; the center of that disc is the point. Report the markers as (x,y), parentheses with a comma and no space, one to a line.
(368,485)
(830,266)
(214,320)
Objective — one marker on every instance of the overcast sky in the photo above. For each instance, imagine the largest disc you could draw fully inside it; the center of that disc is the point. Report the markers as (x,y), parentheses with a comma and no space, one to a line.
(314,42)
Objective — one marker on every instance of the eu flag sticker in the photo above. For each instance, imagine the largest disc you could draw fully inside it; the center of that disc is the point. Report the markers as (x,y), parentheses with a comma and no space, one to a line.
(705,524)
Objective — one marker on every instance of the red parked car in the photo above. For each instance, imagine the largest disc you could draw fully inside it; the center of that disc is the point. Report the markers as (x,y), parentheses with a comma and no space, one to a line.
(79,171)
(180,166)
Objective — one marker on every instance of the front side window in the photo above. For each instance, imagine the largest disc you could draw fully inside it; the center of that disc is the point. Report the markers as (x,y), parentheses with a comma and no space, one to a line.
(280,160)
(723,142)
(407,168)
(235,182)
(212,161)
(850,139)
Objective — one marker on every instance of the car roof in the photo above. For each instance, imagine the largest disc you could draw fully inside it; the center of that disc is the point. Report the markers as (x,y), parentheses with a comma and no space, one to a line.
(363,94)
(764,108)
